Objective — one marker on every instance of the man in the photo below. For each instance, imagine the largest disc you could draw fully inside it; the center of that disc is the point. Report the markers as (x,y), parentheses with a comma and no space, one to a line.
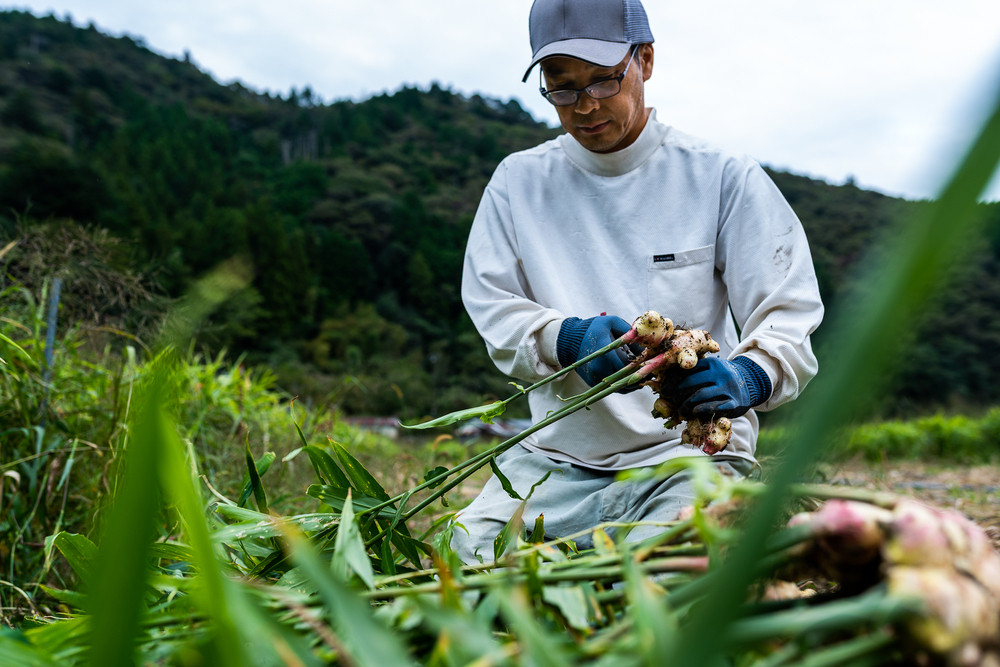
(620,215)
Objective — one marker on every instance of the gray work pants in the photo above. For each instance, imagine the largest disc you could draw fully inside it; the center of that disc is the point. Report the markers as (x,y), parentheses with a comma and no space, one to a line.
(575,499)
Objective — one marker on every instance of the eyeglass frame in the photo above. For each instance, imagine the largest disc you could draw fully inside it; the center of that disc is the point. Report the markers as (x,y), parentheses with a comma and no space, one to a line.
(618,78)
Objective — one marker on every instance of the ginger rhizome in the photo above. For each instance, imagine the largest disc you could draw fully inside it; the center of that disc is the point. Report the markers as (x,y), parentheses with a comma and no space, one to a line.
(935,556)
(667,348)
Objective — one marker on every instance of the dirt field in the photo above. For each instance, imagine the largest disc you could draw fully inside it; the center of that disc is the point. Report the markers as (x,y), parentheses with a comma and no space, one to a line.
(972,490)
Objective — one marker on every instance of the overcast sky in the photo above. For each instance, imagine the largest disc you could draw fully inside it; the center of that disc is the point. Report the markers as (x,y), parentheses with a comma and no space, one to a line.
(888,92)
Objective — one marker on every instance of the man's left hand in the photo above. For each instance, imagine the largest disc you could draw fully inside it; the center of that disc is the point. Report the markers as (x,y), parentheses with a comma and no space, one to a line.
(721,388)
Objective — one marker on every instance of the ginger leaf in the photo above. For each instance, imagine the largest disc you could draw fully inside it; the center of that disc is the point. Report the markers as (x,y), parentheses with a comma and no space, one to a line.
(487,413)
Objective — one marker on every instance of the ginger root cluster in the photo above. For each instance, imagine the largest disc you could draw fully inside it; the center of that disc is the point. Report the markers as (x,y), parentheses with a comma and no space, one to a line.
(667,347)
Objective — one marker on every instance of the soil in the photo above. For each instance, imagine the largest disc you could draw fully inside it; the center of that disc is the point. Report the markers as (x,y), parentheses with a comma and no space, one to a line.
(972,490)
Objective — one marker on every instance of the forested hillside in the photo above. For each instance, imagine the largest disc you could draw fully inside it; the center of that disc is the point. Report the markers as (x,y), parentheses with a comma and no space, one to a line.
(128,174)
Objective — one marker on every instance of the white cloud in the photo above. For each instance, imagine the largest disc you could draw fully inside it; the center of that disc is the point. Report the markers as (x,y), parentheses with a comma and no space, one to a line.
(888,92)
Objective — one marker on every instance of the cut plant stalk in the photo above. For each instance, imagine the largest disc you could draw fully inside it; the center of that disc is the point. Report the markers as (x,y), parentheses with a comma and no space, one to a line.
(607,387)
(490,411)
(874,608)
(585,571)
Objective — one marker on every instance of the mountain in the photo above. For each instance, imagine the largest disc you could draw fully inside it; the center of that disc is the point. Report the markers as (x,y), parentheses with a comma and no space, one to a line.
(353,216)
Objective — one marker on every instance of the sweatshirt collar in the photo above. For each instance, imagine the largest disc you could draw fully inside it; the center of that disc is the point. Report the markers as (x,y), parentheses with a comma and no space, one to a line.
(618,162)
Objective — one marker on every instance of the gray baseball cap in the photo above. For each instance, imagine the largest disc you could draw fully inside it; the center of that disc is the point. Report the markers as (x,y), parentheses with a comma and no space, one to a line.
(598,31)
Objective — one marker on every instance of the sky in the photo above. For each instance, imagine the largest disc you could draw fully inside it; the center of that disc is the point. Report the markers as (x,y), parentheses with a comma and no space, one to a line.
(885,93)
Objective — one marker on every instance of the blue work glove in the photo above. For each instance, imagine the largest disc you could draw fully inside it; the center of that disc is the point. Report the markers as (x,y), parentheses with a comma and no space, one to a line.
(720,388)
(578,338)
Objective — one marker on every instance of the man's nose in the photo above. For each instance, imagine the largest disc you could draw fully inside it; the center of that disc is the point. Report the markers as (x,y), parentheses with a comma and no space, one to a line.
(586,104)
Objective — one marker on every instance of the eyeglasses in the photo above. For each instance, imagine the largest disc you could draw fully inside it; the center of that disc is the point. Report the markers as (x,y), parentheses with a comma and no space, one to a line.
(599,90)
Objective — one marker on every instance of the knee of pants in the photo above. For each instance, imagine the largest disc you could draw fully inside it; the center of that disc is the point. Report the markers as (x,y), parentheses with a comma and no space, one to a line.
(473,539)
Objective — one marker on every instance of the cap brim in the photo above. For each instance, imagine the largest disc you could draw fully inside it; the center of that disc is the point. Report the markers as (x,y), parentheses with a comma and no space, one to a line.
(598,52)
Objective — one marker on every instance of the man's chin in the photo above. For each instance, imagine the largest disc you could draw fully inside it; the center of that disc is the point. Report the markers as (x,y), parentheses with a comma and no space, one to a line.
(599,142)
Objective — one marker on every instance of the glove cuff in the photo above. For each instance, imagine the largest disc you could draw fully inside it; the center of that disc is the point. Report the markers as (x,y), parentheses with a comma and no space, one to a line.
(570,338)
(757,381)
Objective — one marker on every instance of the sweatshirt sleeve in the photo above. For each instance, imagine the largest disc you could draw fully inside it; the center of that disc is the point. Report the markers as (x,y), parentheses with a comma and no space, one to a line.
(765,261)
(496,294)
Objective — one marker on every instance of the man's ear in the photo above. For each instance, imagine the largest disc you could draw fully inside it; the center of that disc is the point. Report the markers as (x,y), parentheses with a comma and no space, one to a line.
(646,60)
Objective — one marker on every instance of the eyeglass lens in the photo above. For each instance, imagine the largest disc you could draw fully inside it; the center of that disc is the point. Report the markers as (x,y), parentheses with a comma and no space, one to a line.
(598,90)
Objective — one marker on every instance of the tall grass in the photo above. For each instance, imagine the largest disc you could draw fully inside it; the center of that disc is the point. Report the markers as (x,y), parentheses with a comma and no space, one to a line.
(65,423)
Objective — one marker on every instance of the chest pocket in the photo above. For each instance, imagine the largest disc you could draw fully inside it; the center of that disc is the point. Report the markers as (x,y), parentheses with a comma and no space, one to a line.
(680,285)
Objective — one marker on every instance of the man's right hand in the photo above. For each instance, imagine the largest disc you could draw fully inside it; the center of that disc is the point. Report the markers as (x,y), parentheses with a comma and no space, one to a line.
(579,338)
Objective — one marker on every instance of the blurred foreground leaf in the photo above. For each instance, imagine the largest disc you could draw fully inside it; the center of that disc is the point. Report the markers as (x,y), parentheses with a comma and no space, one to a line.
(867,335)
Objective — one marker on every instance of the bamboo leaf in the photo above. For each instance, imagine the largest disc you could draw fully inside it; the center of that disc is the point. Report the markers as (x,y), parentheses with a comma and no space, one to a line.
(536,642)
(79,552)
(361,479)
(57,639)
(17,651)
(432,474)
(509,533)
(537,484)
(325,468)
(603,544)
(262,466)
(258,489)
(464,638)
(369,643)
(572,603)
(71,598)
(408,546)
(334,496)
(252,524)
(349,553)
(486,413)
(655,626)
(387,561)
(538,531)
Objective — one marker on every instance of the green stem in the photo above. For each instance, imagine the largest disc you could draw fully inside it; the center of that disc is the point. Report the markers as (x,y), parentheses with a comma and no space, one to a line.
(613,345)
(585,572)
(583,400)
(702,585)
(857,652)
(873,608)
(830,491)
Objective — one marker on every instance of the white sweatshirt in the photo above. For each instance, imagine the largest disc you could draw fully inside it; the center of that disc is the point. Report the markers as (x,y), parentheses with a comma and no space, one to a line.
(667,224)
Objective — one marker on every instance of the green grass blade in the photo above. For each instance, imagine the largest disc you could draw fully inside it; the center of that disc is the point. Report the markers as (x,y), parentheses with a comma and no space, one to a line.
(214,595)
(17,348)
(115,599)
(866,347)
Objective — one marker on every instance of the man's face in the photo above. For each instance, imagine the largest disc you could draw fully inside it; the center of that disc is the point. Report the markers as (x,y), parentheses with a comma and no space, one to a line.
(607,125)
